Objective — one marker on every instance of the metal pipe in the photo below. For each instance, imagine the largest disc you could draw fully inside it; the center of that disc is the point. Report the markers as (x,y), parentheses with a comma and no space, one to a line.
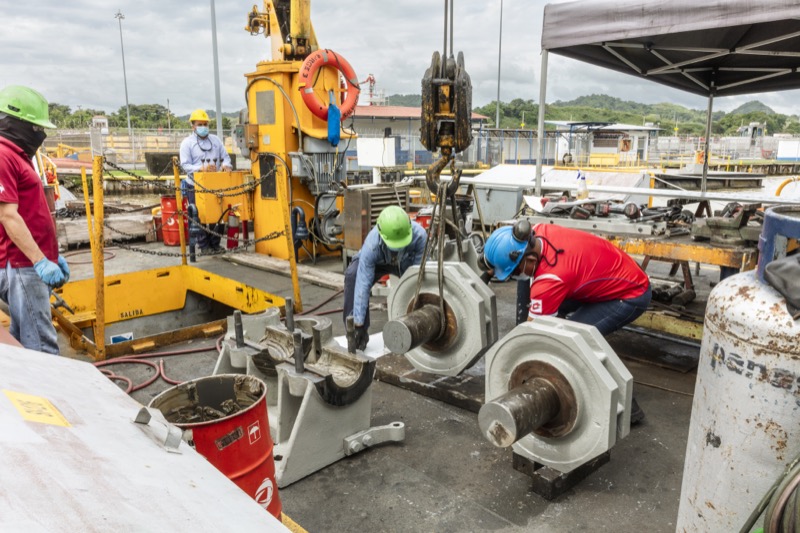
(299,363)
(499,56)
(289,315)
(414,329)
(350,328)
(216,69)
(176,170)
(519,412)
(99,260)
(119,16)
(238,329)
(540,125)
(707,144)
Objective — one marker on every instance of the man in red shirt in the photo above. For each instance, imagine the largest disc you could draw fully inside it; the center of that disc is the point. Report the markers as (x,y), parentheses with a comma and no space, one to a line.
(574,274)
(29,262)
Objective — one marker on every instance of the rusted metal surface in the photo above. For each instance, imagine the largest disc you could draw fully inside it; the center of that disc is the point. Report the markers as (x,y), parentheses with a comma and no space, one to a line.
(185,404)
(446,339)
(549,483)
(169,337)
(563,422)
(420,326)
(744,428)
(673,325)
(518,412)
(684,249)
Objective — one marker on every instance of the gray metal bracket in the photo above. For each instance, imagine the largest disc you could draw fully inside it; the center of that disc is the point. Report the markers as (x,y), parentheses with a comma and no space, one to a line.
(174,435)
(394,432)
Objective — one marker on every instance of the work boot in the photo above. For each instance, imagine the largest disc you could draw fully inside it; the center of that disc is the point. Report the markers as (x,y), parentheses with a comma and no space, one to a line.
(637,415)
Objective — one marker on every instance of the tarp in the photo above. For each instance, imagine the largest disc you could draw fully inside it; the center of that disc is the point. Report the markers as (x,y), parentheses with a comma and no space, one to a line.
(717,47)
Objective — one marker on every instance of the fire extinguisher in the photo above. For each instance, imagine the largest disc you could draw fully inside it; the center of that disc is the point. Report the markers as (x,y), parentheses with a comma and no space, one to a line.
(233,229)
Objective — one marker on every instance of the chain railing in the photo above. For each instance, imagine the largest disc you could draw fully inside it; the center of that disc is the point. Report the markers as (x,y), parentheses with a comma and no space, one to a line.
(239,189)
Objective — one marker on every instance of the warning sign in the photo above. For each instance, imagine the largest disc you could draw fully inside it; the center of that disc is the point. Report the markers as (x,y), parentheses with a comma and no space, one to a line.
(254,432)
(36,409)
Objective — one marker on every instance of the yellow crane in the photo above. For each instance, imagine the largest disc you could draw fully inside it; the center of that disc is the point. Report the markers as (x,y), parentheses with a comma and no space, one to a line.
(292,134)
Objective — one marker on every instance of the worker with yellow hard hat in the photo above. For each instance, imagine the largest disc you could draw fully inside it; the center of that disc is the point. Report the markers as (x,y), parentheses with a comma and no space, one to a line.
(202,151)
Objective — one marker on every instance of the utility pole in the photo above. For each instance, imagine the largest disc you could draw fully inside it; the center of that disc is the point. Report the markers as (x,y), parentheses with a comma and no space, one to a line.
(216,70)
(499,55)
(119,16)
(169,123)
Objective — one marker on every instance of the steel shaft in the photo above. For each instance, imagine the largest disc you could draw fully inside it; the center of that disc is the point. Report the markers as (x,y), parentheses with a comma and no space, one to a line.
(519,412)
(418,327)
(238,329)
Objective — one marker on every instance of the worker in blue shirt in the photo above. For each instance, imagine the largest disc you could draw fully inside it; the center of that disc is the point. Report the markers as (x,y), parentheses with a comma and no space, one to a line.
(393,245)
(202,151)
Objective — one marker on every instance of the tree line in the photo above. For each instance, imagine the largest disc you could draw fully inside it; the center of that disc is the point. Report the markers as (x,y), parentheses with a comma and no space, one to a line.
(144,116)
(516,114)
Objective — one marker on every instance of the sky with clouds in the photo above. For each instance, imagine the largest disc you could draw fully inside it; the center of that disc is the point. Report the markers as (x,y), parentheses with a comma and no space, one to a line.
(70,51)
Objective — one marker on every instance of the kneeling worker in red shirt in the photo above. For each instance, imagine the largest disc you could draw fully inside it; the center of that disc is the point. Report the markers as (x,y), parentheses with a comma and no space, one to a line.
(574,274)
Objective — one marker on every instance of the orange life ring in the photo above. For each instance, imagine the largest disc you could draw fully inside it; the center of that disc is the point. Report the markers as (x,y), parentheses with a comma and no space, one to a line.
(308,70)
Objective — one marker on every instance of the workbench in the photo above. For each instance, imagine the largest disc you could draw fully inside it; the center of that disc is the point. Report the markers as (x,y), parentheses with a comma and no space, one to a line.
(681,250)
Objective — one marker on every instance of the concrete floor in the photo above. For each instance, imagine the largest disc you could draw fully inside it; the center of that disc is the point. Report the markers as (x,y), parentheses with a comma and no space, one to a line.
(445,477)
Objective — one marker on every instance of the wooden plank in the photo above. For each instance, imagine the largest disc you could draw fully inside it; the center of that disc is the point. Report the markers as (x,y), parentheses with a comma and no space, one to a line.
(316,276)
(76,231)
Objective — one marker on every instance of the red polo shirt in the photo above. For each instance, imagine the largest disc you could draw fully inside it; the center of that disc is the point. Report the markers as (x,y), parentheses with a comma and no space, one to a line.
(590,270)
(21,185)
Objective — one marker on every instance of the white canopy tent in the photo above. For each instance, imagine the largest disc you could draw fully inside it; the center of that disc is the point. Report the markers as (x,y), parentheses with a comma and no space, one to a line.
(707,47)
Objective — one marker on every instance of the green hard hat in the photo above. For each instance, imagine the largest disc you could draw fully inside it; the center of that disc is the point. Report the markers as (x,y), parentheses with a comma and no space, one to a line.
(394,226)
(25,104)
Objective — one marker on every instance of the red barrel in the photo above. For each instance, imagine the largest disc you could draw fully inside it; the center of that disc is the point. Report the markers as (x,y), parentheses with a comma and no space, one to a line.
(238,443)
(169,221)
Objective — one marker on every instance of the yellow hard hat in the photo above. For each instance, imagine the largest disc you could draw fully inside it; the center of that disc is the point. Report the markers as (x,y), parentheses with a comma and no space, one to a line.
(198,114)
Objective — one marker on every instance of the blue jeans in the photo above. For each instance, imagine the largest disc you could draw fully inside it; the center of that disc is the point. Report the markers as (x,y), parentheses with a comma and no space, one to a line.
(350,288)
(28,299)
(196,235)
(608,316)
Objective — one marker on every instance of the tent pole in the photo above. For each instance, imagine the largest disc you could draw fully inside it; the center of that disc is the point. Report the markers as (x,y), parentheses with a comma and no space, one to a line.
(703,184)
(540,126)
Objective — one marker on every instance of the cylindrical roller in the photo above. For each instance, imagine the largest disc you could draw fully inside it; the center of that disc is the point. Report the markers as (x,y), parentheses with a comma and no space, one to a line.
(418,327)
(523,299)
(299,361)
(289,314)
(518,412)
(238,329)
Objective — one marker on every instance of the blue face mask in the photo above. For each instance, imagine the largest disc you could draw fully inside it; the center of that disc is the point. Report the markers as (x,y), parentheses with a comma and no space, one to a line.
(202,131)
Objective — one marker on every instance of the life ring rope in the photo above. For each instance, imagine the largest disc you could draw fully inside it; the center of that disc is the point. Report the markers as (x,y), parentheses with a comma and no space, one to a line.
(311,65)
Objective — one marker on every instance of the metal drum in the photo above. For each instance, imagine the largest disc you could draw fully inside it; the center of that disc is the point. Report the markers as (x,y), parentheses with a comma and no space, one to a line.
(224,418)
(745,425)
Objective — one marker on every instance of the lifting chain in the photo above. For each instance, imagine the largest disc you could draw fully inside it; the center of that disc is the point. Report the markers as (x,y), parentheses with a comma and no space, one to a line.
(240,189)
(245,242)
(446,105)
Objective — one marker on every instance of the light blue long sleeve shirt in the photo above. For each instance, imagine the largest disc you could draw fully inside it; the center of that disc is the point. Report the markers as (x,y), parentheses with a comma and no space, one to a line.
(375,253)
(197,152)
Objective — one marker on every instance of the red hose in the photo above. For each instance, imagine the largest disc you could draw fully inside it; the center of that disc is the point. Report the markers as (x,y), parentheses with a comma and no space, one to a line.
(142,359)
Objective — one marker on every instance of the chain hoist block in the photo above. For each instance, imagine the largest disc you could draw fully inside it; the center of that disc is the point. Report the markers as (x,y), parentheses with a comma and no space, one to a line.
(430,104)
(462,106)
(446,106)
(557,392)
(435,342)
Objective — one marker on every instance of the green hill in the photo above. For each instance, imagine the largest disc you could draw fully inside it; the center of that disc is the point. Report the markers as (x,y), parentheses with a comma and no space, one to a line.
(753,106)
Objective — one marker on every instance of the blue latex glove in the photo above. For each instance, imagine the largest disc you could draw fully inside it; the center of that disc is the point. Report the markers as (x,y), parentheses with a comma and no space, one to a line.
(62,264)
(50,272)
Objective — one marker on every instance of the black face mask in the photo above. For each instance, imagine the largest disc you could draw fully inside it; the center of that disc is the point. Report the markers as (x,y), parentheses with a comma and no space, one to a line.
(22,134)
